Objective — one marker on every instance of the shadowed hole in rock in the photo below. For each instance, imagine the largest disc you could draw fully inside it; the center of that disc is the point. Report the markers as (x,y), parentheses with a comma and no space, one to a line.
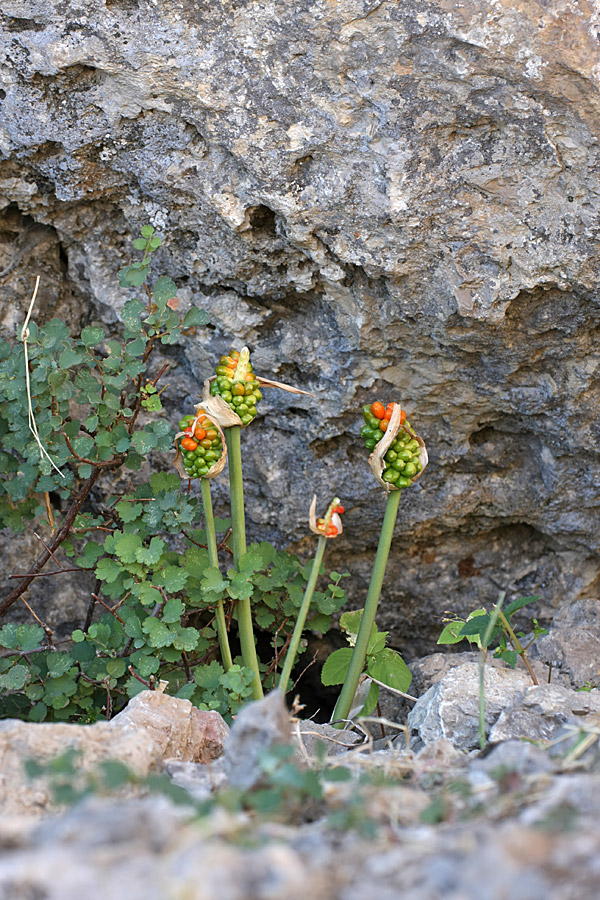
(262,221)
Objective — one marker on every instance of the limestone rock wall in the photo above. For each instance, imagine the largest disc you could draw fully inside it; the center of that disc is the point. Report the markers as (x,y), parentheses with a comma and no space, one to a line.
(382,198)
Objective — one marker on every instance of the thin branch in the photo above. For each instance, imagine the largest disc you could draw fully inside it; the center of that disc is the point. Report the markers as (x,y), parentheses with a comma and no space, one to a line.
(108,609)
(45,574)
(42,541)
(56,541)
(99,464)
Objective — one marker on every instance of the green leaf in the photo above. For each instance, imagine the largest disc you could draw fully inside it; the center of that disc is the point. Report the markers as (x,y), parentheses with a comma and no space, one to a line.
(144,441)
(173,610)
(92,335)
(108,569)
(130,314)
(336,666)
(58,664)
(187,639)
(83,445)
(195,316)
(158,633)
(38,712)
(8,636)
(91,552)
(77,636)
(477,626)
(150,555)
(69,358)
(30,636)
(509,656)
(173,578)
(147,594)
(209,677)
(350,621)
(133,276)
(127,546)
(15,678)
(371,701)
(389,667)
(128,511)
(164,289)
(147,231)
(240,588)
(213,582)
(451,633)
(116,667)
(518,604)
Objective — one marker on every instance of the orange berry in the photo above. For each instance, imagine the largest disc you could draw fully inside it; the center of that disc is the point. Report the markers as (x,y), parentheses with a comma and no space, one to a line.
(378,409)
(188,443)
(384,424)
(199,433)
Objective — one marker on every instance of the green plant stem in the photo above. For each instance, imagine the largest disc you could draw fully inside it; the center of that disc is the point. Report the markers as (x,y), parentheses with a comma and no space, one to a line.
(213,558)
(301,620)
(238,522)
(357,662)
(482,659)
(516,644)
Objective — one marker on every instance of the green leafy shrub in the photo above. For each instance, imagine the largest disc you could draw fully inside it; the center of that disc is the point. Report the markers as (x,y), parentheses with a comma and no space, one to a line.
(97,409)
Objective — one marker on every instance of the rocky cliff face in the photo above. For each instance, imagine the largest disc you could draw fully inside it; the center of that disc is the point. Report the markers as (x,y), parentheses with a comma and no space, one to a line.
(382,199)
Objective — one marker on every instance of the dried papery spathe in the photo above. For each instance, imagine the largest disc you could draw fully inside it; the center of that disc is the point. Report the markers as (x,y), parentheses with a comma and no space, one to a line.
(376,459)
(219,464)
(330,521)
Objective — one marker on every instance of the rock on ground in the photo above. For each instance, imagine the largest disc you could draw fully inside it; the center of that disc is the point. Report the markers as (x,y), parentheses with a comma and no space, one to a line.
(450,709)
(152,728)
(380,199)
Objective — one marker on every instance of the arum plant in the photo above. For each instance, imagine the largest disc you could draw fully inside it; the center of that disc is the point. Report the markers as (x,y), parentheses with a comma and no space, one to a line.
(327,528)
(397,459)
(201,453)
(231,399)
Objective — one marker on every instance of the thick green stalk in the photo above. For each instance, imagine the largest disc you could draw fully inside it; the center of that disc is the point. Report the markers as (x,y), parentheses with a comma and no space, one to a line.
(213,558)
(482,660)
(301,620)
(357,662)
(238,522)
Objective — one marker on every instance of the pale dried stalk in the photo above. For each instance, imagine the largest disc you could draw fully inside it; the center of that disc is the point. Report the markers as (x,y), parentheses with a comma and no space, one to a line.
(32,422)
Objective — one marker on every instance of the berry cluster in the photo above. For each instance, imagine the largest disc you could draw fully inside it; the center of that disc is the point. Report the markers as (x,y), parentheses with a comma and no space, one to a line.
(201,445)
(335,523)
(236,384)
(401,462)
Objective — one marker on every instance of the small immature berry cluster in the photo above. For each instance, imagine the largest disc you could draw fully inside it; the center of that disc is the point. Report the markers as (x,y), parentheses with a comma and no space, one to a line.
(237,385)
(334,527)
(201,445)
(401,461)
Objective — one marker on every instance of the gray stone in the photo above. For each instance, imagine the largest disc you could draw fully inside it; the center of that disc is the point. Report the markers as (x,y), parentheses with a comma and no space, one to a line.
(541,711)
(517,756)
(309,738)
(201,781)
(381,200)
(258,727)
(450,709)
(573,643)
